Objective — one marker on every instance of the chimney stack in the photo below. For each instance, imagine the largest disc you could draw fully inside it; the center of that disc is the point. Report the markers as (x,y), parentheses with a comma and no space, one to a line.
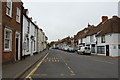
(31,18)
(114,17)
(104,18)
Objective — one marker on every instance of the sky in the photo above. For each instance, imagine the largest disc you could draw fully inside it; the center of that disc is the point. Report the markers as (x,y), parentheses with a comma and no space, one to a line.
(60,19)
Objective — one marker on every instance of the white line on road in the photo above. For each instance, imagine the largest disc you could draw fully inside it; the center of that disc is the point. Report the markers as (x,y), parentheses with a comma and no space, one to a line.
(103,61)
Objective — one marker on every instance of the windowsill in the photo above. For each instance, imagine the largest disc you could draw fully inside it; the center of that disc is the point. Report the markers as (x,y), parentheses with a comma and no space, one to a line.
(7,50)
(9,16)
(18,22)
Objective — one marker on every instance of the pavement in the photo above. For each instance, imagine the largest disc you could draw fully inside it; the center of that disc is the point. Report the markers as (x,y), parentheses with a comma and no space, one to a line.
(61,64)
(17,68)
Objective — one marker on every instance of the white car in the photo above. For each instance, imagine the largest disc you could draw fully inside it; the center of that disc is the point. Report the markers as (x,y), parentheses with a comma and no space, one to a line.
(84,50)
(71,49)
(66,48)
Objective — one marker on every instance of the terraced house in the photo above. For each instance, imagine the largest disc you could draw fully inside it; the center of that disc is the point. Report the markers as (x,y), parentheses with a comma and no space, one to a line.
(108,39)
(11,30)
(29,35)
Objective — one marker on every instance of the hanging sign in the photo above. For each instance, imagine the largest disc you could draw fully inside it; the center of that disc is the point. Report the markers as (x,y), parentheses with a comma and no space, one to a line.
(26,35)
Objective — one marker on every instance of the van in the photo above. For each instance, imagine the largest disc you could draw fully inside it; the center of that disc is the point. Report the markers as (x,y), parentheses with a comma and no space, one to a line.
(84,50)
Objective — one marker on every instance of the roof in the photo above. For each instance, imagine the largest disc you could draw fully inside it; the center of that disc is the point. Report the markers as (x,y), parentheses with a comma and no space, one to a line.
(90,30)
(110,26)
(24,13)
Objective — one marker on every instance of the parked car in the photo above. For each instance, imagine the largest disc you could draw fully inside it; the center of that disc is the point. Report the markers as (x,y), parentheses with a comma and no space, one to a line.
(84,50)
(66,48)
(71,49)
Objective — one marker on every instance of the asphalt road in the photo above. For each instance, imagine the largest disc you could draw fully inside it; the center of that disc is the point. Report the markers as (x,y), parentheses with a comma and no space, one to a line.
(61,64)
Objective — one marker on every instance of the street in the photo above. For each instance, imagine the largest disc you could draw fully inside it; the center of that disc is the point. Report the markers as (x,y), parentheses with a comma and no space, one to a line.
(61,64)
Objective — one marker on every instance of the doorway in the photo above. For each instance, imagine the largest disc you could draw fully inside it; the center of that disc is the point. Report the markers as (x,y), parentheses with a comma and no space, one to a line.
(107,50)
(17,48)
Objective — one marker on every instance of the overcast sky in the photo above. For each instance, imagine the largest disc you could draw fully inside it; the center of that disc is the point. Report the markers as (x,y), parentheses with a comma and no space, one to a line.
(62,19)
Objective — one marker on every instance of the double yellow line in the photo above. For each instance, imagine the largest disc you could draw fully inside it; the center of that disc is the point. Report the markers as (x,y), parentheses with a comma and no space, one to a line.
(31,73)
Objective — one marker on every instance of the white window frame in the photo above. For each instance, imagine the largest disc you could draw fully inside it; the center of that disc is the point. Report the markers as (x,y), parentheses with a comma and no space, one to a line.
(18,15)
(103,39)
(10,43)
(10,13)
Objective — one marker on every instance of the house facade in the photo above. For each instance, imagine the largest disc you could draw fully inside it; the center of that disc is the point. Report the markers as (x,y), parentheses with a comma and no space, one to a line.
(11,33)
(40,40)
(30,34)
(108,40)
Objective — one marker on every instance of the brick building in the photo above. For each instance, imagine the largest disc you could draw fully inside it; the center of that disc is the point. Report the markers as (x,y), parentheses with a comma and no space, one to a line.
(11,30)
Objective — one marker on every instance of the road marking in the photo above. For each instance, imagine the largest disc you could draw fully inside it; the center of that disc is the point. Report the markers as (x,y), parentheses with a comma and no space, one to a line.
(36,66)
(72,74)
(55,60)
(52,60)
(39,74)
(66,63)
(102,61)
(71,71)
(61,74)
(69,67)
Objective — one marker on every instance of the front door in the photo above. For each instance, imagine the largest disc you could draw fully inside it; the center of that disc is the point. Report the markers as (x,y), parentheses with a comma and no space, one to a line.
(17,44)
(107,50)
(17,48)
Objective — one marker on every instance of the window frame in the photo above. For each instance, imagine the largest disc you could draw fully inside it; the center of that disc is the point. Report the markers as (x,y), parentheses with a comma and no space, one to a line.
(103,39)
(18,15)
(10,40)
(28,26)
(9,7)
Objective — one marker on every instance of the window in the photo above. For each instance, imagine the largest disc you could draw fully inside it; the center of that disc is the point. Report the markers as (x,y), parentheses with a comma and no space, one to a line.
(101,49)
(28,27)
(9,8)
(7,40)
(18,15)
(27,44)
(86,31)
(92,38)
(102,39)
(81,41)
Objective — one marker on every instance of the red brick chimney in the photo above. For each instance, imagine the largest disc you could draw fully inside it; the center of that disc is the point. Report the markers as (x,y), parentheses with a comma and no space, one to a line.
(104,18)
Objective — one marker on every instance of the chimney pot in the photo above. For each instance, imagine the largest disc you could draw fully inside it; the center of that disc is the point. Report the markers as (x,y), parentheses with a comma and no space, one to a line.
(31,18)
(104,18)
(114,16)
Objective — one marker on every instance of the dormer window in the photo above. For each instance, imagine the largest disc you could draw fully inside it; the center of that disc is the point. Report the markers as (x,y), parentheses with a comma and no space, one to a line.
(86,31)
